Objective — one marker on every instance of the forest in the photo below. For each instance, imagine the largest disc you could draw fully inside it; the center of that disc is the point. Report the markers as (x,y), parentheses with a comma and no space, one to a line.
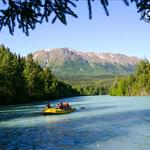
(90,85)
(22,80)
(137,84)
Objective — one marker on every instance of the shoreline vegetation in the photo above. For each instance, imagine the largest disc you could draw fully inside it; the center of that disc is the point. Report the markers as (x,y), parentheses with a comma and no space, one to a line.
(136,84)
(23,80)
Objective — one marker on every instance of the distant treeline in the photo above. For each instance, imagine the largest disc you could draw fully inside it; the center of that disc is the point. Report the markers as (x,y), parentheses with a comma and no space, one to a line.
(137,84)
(92,90)
(22,80)
(90,85)
(82,78)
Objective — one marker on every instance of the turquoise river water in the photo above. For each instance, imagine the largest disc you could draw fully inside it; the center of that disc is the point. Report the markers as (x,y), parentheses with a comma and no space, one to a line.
(105,123)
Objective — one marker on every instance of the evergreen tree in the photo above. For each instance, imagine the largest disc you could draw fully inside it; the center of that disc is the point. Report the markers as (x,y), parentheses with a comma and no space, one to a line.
(49,85)
(11,79)
(33,77)
(135,84)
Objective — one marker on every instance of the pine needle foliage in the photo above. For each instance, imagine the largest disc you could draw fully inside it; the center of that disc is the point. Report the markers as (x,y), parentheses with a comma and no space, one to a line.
(26,14)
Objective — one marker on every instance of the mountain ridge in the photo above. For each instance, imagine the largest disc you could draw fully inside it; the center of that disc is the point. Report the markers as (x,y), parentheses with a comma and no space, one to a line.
(67,61)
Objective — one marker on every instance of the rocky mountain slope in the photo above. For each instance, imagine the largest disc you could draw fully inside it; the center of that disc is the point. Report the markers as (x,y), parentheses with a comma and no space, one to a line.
(67,61)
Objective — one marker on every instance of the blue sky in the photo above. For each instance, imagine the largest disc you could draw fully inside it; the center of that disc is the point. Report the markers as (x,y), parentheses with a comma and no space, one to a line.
(121,32)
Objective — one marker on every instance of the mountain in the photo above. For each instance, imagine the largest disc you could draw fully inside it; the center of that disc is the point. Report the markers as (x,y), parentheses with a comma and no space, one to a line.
(67,61)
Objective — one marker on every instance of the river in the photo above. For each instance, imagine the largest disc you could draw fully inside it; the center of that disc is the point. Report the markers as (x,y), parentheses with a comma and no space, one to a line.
(106,123)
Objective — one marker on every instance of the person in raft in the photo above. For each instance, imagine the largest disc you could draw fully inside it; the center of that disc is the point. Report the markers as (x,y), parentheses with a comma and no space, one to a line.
(61,105)
(48,105)
(66,105)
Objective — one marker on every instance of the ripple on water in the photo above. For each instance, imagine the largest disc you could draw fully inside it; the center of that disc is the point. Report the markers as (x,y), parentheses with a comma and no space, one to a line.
(106,123)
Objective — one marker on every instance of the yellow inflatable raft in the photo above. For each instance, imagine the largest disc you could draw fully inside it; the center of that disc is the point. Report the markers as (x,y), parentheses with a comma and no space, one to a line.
(56,111)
